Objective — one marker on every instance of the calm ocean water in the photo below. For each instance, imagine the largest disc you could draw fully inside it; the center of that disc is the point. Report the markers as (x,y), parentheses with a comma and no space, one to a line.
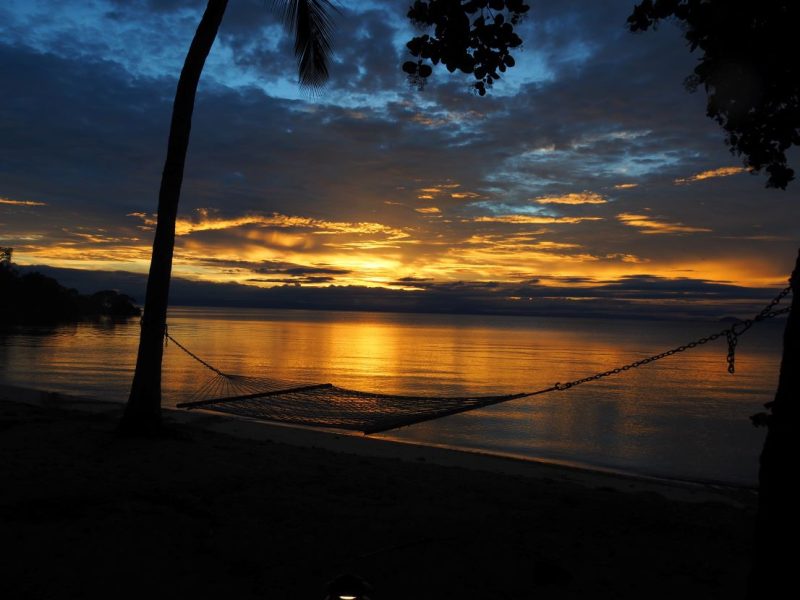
(684,417)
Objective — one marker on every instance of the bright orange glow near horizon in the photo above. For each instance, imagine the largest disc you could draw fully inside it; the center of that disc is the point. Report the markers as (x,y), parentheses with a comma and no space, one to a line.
(582,237)
(501,248)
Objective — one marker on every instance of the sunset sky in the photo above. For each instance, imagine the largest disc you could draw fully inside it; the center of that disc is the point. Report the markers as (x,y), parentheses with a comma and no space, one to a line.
(587,172)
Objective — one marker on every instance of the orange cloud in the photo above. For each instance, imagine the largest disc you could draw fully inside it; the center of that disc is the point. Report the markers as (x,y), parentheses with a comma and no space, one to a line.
(627,258)
(428,210)
(279,239)
(428,192)
(501,261)
(100,238)
(91,255)
(625,186)
(429,121)
(148,220)
(21,202)
(574,198)
(373,245)
(527,237)
(721,172)
(555,245)
(647,224)
(207,220)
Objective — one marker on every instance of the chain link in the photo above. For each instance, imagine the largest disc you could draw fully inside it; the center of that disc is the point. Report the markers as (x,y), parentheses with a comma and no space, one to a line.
(731,334)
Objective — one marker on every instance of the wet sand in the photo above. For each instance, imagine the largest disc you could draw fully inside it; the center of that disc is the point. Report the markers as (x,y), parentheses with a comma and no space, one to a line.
(220,507)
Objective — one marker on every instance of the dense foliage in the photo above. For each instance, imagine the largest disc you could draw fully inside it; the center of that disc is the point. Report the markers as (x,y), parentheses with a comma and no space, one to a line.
(33,298)
(475,37)
(750,69)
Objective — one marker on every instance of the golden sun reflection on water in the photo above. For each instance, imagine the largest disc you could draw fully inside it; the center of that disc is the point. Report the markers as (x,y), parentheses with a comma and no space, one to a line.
(683,416)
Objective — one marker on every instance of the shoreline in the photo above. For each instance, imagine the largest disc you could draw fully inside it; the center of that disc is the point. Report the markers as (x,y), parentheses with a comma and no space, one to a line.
(589,468)
(222,507)
(388,447)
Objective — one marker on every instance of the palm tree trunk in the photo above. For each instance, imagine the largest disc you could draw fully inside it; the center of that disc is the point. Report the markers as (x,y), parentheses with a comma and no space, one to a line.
(777,524)
(143,411)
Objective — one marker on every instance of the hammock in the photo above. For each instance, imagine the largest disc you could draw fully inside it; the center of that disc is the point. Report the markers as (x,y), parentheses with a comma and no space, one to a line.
(330,406)
(327,405)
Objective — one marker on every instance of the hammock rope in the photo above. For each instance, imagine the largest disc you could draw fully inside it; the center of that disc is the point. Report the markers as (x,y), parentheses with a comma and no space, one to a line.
(327,405)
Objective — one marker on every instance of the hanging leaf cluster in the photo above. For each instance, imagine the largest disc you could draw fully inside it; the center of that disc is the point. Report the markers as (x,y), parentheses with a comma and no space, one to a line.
(473,36)
(750,69)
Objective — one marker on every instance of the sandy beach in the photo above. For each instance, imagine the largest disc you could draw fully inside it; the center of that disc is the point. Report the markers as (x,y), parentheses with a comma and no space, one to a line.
(223,507)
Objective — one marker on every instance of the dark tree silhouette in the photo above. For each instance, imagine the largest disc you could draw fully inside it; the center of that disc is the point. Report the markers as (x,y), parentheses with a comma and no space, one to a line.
(310,23)
(35,299)
(475,37)
(749,67)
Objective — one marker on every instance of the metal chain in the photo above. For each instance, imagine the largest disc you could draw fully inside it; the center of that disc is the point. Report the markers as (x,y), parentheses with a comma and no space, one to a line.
(167,336)
(731,334)
(739,328)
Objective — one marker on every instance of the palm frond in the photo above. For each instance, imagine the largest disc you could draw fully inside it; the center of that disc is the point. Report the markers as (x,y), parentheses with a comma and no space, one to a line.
(309,21)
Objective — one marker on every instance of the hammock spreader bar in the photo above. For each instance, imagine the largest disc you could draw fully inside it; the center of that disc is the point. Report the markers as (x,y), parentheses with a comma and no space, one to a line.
(294,390)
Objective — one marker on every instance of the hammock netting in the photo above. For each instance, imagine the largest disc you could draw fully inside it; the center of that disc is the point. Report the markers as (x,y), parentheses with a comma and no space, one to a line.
(327,405)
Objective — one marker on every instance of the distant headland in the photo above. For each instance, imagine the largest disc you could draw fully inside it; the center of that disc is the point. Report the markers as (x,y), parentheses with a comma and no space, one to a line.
(36,299)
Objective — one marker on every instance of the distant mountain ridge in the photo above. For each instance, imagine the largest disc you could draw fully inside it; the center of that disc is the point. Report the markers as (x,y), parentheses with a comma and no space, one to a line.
(635,297)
